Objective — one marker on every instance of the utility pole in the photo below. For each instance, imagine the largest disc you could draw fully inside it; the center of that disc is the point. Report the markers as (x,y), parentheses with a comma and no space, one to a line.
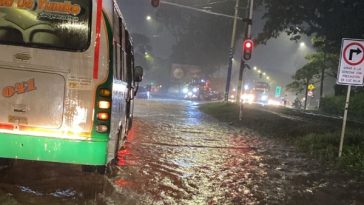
(231,53)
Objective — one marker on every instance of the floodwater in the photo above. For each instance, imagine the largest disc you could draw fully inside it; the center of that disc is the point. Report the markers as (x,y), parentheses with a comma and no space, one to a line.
(177,155)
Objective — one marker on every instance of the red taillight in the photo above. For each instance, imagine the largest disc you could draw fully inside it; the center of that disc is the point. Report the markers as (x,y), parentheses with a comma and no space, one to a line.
(103,116)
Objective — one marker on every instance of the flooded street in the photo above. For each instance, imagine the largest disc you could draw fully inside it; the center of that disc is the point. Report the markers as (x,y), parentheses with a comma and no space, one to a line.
(177,155)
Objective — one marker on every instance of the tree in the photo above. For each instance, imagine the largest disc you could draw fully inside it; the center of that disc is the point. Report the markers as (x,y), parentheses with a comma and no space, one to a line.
(331,20)
(141,48)
(326,21)
(304,76)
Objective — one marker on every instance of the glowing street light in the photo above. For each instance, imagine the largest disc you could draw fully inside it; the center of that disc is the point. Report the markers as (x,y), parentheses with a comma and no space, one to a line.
(148,18)
(302,44)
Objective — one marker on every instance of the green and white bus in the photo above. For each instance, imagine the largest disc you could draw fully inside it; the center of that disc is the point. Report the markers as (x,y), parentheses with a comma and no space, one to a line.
(67,80)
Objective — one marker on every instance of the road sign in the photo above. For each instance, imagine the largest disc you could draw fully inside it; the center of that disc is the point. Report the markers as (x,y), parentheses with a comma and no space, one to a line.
(351,73)
(311,87)
(351,66)
(278,91)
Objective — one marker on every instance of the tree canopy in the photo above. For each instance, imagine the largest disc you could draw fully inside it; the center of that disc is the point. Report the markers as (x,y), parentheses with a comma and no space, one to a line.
(309,73)
(330,20)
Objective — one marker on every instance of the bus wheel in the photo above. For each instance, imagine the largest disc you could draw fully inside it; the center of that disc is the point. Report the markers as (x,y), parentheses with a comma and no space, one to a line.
(6,163)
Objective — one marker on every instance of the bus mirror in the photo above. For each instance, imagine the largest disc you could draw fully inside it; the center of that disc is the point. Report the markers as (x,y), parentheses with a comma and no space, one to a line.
(138,74)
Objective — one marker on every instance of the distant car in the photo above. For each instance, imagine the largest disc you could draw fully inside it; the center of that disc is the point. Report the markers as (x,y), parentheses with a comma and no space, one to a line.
(143,93)
(214,95)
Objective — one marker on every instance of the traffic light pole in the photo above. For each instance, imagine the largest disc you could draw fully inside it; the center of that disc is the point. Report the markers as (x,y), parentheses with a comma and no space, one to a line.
(248,31)
(231,53)
(240,82)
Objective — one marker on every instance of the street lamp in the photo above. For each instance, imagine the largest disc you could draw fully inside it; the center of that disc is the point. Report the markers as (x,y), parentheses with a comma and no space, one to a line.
(148,18)
(302,45)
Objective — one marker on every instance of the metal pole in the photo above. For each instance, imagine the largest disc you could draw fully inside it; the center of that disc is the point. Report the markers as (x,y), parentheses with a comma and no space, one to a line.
(240,82)
(231,52)
(241,73)
(248,31)
(249,35)
(344,121)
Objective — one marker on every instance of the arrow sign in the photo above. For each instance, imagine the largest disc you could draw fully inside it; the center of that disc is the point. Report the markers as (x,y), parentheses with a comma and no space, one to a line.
(352,51)
(348,53)
(351,66)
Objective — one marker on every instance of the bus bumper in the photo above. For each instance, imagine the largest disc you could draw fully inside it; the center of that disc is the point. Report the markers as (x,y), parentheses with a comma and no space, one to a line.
(37,148)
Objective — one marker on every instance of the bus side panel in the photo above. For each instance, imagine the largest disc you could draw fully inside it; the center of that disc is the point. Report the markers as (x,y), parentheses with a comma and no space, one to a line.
(52,149)
(119,87)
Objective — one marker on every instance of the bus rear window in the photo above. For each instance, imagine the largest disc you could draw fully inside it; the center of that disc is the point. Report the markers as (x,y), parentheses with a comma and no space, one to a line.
(55,24)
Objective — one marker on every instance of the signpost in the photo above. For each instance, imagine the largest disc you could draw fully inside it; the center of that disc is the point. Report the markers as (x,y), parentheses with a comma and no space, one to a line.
(351,73)
(311,87)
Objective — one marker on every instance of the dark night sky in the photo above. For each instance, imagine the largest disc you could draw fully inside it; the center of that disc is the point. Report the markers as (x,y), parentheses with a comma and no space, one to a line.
(279,58)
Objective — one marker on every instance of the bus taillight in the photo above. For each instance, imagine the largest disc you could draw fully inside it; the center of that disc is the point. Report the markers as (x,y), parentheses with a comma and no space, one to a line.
(102,128)
(105,92)
(104,104)
(103,116)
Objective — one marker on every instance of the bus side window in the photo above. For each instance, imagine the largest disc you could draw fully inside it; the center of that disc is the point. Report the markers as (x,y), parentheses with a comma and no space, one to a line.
(118,62)
(122,49)
(132,69)
(129,72)
(117,46)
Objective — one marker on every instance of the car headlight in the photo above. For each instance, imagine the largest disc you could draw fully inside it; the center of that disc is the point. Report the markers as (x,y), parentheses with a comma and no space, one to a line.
(264,97)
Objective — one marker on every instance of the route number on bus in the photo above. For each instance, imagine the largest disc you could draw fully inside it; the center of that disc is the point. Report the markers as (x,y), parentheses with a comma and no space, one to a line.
(19,88)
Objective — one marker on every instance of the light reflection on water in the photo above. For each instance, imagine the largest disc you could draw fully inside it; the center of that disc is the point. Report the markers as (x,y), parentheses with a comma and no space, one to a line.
(177,155)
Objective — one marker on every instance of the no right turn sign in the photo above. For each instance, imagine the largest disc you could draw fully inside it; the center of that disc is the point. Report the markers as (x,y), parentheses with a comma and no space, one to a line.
(351,67)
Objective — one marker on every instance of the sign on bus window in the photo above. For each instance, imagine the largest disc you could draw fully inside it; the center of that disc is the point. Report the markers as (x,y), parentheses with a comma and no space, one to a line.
(56,24)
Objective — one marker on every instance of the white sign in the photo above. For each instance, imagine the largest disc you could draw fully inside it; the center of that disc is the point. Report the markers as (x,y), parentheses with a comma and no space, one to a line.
(351,66)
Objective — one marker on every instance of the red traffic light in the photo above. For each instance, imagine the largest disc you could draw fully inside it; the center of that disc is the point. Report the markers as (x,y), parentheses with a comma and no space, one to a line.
(247,49)
(155,3)
(248,45)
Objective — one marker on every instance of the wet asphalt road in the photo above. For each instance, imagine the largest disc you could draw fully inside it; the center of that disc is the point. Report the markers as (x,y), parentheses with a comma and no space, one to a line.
(177,155)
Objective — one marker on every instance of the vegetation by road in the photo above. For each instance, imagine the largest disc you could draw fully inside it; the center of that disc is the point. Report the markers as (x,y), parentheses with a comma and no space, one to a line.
(317,136)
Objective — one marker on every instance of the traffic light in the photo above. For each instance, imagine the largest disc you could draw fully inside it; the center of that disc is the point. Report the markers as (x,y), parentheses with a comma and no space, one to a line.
(155,3)
(247,49)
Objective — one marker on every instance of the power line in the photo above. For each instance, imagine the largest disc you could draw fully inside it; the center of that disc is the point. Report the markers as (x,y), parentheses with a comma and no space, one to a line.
(199,10)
